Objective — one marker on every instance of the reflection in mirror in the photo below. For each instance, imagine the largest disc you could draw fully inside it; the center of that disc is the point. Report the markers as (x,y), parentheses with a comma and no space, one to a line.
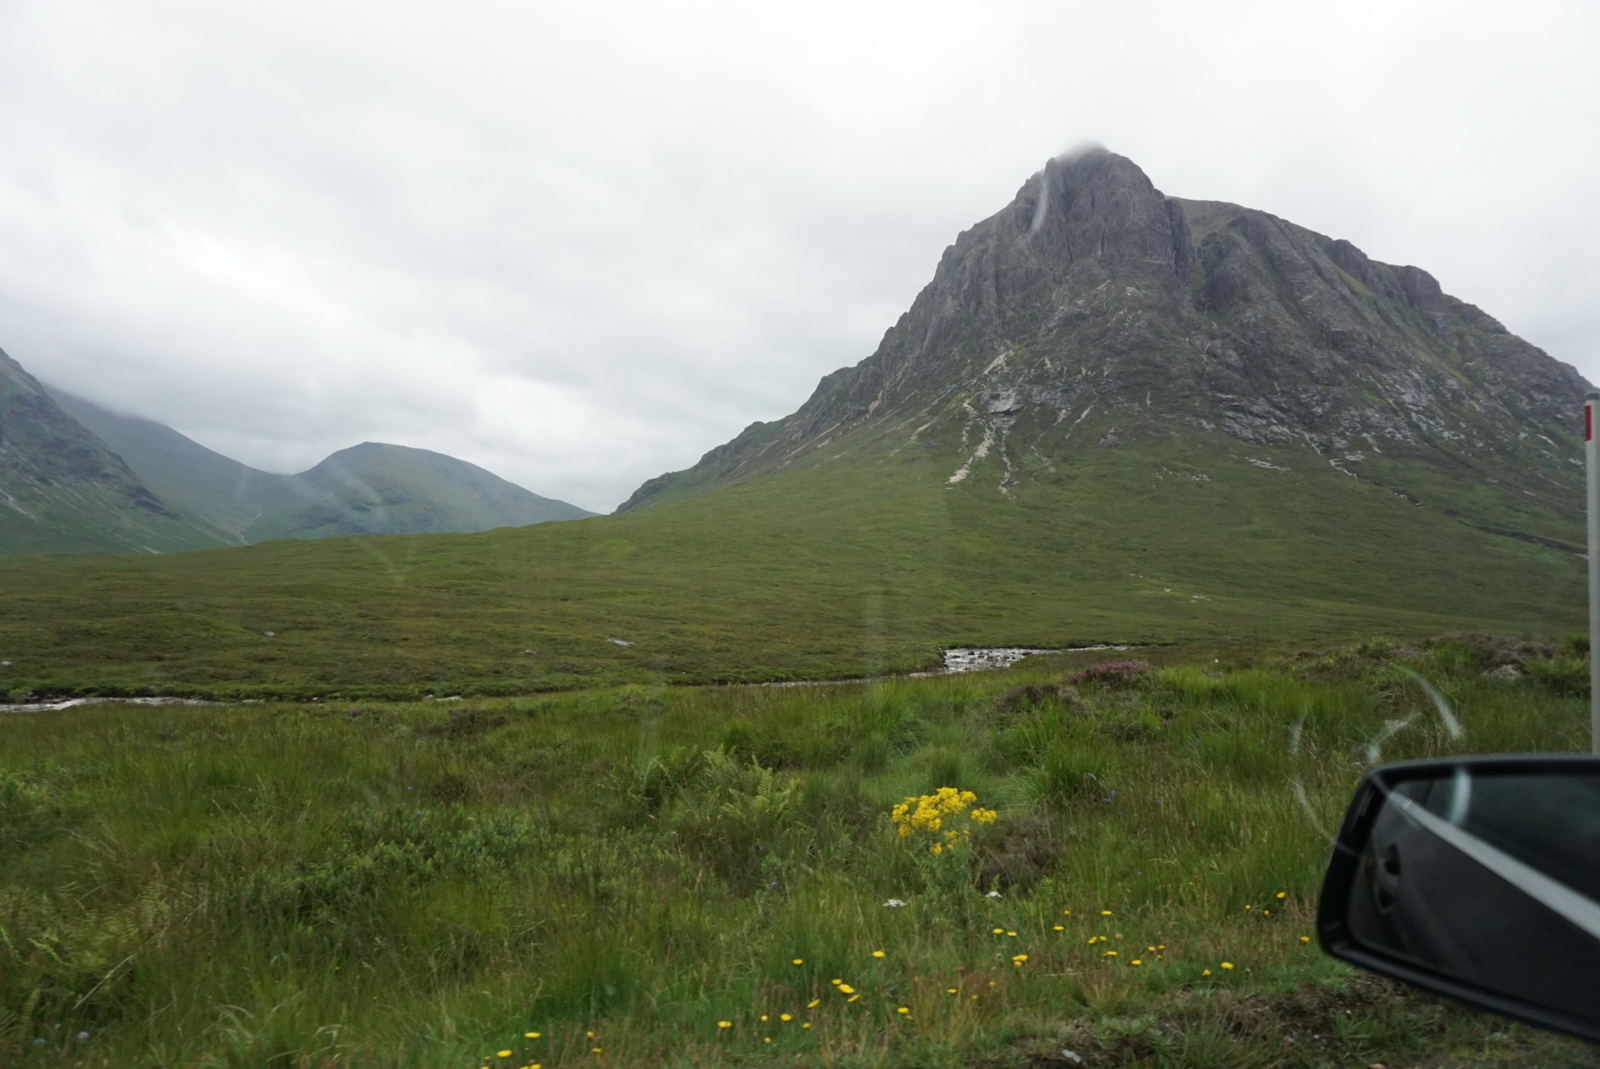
(1491,878)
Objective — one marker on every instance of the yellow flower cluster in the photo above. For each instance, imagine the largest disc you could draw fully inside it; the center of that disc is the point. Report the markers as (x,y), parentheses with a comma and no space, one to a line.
(926,815)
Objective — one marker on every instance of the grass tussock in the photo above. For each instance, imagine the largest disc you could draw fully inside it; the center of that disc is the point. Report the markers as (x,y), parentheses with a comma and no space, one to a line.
(718,876)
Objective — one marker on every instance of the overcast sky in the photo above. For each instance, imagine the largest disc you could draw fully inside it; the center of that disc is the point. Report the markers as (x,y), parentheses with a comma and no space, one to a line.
(580,244)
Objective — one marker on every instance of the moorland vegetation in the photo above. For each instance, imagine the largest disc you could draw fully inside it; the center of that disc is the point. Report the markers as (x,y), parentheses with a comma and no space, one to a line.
(815,573)
(1121,861)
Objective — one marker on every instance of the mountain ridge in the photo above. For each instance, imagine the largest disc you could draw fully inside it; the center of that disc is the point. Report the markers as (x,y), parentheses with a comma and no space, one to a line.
(80,477)
(368,489)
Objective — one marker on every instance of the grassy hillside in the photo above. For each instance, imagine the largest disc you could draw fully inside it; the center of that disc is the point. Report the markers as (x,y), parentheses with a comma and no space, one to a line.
(373,488)
(822,571)
(646,876)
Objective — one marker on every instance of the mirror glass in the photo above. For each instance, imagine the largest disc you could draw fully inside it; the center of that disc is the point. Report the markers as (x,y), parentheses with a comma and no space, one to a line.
(1488,878)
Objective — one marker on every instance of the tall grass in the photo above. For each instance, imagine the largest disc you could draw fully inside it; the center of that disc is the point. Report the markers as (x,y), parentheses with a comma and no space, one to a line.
(424,884)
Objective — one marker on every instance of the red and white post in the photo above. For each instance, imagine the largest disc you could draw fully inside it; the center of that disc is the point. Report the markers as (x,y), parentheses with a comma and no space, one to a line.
(1591,455)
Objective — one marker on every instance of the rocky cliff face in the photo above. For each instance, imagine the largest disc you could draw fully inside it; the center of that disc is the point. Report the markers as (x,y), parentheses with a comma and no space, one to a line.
(1093,296)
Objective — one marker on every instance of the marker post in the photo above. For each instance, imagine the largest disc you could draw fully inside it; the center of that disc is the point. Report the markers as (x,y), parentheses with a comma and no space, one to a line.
(1591,454)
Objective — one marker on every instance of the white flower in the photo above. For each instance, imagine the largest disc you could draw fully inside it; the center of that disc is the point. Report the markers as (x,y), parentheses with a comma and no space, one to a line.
(894,902)
(992,894)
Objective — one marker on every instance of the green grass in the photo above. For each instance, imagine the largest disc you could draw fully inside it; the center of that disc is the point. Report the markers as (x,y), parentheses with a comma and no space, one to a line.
(868,564)
(421,884)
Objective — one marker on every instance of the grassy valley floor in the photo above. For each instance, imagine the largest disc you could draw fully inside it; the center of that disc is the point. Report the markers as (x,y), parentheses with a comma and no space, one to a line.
(820,572)
(712,876)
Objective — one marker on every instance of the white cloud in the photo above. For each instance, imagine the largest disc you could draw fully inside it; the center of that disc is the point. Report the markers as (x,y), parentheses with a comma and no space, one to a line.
(582,245)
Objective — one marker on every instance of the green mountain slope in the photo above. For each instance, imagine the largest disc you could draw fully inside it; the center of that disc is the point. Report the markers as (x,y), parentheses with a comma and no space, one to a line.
(367,489)
(373,488)
(63,490)
(216,492)
(1111,416)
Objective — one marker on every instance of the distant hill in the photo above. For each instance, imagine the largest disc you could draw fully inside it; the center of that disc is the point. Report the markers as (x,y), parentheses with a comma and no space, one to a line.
(374,488)
(63,490)
(369,489)
(78,477)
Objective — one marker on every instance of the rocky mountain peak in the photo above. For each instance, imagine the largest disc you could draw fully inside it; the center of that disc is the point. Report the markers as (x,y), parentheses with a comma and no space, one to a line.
(1093,289)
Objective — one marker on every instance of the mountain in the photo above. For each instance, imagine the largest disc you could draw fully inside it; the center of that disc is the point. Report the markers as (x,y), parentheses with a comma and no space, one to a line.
(1111,416)
(374,488)
(1093,311)
(63,490)
(368,489)
(216,493)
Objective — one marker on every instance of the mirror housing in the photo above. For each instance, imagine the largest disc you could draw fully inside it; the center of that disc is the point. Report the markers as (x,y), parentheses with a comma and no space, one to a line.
(1477,878)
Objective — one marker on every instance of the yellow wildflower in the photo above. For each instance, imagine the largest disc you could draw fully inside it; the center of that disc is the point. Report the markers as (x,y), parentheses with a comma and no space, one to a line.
(504,1054)
(846,989)
(1305,939)
(785,1018)
(531,1035)
(1227,965)
(903,1009)
(813,1004)
(877,953)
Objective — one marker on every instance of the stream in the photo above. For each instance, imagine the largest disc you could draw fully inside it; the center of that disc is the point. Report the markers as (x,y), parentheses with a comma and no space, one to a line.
(957,661)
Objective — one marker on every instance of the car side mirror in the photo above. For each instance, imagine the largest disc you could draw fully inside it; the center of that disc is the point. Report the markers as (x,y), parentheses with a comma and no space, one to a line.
(1477,878)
